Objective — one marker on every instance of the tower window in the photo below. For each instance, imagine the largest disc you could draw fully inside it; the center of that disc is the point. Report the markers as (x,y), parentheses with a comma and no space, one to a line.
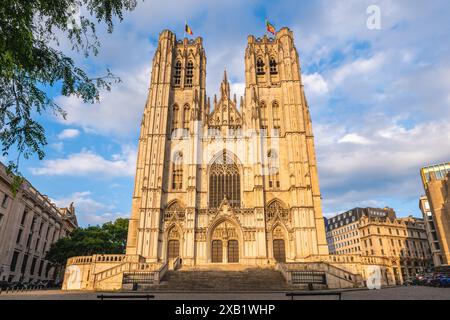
(177,179)
(274,172)
(273,66)
(263,107)
(177,76)
(260,67)
(186,117)
(189,74)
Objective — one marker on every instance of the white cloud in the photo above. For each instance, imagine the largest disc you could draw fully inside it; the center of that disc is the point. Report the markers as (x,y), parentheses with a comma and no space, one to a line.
(360,67)
(387,167)
(119,111)
(88,210)
(354,138)
(57,146)
(315,84)
(68,134)
(88,163)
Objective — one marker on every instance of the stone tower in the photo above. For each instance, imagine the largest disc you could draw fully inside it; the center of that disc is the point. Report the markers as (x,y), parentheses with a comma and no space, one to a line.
(178,74)
(226,182)
(274,87)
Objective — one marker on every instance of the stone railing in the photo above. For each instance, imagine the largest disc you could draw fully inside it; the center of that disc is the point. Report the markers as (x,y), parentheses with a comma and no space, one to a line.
(176,263)
(357,259)
(105,258)
(349,278)
(157,269)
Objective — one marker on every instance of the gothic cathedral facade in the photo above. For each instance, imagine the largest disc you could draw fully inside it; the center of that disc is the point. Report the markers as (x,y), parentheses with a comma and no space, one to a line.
(222,181)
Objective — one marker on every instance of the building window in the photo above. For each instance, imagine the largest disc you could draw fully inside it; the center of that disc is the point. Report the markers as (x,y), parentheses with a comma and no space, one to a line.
(13,264)
(260,66)
(189,74)
(33,265)
(224,182)
(273,66)
(177,76)
(30,236)
(19,236)
(41,264)
(5,201)
(177,179)
(24,263)
(274,172)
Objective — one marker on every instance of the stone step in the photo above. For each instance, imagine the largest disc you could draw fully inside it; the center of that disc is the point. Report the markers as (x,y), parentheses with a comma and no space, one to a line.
(257,279)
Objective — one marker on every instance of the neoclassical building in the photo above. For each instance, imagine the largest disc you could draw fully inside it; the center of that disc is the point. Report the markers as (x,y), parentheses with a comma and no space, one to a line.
(224,181)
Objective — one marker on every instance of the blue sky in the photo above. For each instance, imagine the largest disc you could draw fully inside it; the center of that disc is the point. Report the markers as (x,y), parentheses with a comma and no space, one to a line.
(380,99)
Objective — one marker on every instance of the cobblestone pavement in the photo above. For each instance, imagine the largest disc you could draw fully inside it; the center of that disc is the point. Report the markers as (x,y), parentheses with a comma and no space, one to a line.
(398,293)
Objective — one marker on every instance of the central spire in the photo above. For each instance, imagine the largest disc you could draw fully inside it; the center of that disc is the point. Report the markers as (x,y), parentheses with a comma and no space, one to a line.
(225,86)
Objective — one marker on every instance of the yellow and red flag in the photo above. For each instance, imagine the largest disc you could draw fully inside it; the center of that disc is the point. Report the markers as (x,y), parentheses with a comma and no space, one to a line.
(188,29)
(270,27)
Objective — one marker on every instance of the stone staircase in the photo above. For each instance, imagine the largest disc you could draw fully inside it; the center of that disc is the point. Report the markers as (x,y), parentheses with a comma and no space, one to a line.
(223,279)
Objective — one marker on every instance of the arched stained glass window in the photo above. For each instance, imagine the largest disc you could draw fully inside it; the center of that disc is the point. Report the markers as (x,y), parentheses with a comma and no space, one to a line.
(224,182)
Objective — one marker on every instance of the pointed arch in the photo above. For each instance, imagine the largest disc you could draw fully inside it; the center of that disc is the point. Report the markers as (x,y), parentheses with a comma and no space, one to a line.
(264,115)
(174,239)
(276,115)
(186,116)
(224,180)
(273,168)
(177,171)
(189,74)
(279,243)
(177,73)
(276,209)
(260,66)
(223,237)
(175,116)
(273,66)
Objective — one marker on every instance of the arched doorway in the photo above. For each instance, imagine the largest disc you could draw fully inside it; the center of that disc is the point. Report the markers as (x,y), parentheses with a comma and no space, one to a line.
(278,245)
(279,250)
(216,251)
(173,245)
(225,244)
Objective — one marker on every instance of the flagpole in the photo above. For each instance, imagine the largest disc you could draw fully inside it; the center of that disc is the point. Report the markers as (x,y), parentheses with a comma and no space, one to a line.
(185,24)
(267,31)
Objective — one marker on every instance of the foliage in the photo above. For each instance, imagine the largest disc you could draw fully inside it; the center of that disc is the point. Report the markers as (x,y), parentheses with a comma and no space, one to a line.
(110,238)
(31,61)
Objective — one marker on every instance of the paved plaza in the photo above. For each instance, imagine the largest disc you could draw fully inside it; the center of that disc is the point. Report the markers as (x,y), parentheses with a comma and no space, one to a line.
(397,293)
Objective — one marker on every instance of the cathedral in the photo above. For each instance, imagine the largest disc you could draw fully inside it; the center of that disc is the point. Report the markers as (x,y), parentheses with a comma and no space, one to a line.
(228,180)
(225,183)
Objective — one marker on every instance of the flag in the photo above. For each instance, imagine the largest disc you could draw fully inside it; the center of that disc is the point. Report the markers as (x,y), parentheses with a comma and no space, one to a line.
(188,29)
(270,27)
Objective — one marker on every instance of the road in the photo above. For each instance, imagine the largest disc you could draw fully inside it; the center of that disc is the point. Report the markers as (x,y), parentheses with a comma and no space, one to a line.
(397,293)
